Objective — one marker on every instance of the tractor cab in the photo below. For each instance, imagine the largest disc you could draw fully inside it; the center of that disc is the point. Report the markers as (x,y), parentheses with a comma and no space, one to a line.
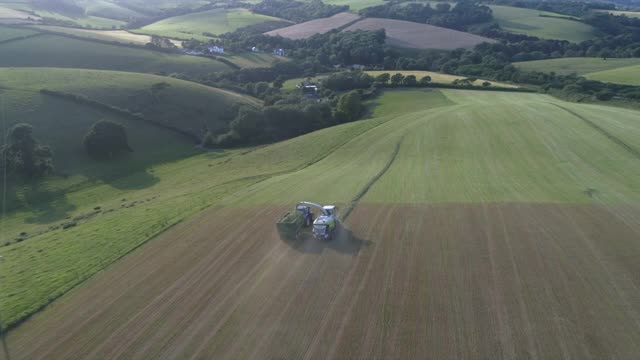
(324,226)
(330,210)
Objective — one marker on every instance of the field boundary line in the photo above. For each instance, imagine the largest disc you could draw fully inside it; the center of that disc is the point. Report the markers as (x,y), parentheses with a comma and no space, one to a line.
(354,202)
(25,37)
(633,151)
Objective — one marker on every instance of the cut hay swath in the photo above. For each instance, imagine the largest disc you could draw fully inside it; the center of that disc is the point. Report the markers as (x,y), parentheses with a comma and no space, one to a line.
(506,227)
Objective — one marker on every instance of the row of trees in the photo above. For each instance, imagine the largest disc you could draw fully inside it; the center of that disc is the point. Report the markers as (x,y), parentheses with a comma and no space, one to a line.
(288,115)
(23,156)
(460,16)
(297,11)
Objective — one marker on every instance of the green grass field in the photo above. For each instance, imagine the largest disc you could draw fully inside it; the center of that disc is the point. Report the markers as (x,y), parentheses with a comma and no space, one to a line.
(117,36)
(108,9)
(185,105)
(59,51)
(580,66)
(529,22)
(356,5)
(620,71)
(216,21)
(628,75)
(8,33)
(254,60)
(455,147)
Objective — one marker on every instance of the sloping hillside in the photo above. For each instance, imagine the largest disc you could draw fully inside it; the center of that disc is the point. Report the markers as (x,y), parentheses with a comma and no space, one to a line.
(476,215)
(180,104)
(542,24)
(317,26)
(213,22)
(59,51)
(419,36)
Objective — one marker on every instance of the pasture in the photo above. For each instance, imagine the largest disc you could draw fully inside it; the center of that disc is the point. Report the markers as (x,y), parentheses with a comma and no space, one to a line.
(254,59)
(490,225)
(356,5)
(628,75)
(9,33)
(406,34)
(550,26)
(580,66)
(194,25)
(180,104)
(59,51)
(118,36)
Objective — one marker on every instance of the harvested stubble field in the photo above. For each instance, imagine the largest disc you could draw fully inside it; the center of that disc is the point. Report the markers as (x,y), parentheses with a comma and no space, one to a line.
(318,26)
(505,227)
(419,36)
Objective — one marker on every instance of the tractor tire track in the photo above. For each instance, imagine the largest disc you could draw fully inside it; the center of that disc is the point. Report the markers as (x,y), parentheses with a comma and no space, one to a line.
(630,149)
(354,202)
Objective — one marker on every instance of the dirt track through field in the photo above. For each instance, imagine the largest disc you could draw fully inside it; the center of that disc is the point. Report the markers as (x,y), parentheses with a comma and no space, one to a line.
(450,281)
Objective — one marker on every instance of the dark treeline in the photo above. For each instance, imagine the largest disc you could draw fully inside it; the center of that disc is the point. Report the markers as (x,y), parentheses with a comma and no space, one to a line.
(297,11)
(458,16)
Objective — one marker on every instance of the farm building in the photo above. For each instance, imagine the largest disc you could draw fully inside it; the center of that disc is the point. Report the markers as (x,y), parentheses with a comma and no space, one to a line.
(216,49)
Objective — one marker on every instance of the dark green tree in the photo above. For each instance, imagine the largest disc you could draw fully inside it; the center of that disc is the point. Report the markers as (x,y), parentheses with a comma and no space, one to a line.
(410,80)
(106,140)
(23,155)
(350,105)
(383,78)
(425,80)
(397,79)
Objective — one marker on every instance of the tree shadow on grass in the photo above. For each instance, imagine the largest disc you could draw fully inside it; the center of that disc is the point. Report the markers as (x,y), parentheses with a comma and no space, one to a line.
(138,180)
(45,206)
(345,242)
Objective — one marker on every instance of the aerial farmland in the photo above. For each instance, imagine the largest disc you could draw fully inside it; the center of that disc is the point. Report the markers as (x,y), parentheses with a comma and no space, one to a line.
(283,179)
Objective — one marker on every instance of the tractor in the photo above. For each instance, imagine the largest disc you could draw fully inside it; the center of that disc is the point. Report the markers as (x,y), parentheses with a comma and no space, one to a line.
(324,226)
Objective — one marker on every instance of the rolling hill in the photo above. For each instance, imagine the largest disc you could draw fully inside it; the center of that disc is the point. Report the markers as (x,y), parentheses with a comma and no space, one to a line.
(475,215)
(549,26)
(59,51)
(620,71)
(628,75)
(183,105)
(214,22)
(580,65)
(317,26)
(408,34)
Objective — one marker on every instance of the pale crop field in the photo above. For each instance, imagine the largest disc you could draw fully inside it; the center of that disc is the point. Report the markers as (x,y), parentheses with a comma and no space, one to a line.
(438,78)
(476,215)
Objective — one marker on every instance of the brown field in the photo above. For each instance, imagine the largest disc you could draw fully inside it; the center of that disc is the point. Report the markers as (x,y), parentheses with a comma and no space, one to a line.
(419,36)
(448,281)
(318,26)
